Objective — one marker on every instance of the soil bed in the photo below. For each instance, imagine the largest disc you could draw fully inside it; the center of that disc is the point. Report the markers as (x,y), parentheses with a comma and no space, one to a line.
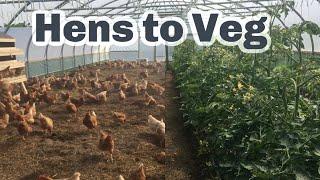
(73,148)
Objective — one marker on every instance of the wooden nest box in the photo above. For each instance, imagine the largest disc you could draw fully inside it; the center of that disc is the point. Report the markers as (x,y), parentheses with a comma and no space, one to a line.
(11,70)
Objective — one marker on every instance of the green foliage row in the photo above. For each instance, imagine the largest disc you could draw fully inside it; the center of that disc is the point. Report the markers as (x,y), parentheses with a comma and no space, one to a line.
(252,116)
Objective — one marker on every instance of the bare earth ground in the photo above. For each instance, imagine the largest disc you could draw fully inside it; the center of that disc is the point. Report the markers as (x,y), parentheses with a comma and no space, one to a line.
(177,139)
(73,148)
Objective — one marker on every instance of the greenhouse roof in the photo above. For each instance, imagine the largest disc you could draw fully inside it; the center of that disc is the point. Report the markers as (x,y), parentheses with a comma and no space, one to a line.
(12,10)
(17,13)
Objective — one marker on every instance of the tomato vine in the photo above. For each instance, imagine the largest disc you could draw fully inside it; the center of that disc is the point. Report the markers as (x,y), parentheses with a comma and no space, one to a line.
(254,115)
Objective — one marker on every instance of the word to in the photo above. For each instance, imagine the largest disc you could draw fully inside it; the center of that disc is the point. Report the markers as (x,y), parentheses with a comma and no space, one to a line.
(53,28)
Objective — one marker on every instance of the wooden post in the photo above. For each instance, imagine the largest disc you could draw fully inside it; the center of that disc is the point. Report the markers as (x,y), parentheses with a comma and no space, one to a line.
(62,58)
(46,60)
(155,53)
(99,48)
(139,45)
(167,56)
(74,56)
(84,54)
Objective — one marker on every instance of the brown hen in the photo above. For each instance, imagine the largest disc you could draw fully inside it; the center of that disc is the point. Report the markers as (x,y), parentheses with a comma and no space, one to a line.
(46,123)
(4,121)
(24,129)
(90,120)
(121,117)
(106,144)
(138,174)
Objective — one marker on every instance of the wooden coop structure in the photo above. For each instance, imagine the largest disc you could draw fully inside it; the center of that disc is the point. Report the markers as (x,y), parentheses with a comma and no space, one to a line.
(11,70)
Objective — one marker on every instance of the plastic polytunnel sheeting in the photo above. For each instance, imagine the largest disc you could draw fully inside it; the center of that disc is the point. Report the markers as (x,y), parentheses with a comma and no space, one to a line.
(49,59)
(18,13)
(13,11)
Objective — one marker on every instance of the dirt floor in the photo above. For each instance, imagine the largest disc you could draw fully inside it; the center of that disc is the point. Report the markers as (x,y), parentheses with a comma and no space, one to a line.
(178,141)
(73,148)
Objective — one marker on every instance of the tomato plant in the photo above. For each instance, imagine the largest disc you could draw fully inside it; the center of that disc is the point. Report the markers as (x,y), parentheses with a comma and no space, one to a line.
(254,115)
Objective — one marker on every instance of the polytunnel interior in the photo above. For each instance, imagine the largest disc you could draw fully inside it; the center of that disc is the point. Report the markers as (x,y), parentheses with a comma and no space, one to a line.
(165,112)
(18,13)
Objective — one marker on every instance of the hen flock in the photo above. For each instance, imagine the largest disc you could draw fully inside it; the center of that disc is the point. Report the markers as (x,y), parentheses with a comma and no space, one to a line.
(18,103)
